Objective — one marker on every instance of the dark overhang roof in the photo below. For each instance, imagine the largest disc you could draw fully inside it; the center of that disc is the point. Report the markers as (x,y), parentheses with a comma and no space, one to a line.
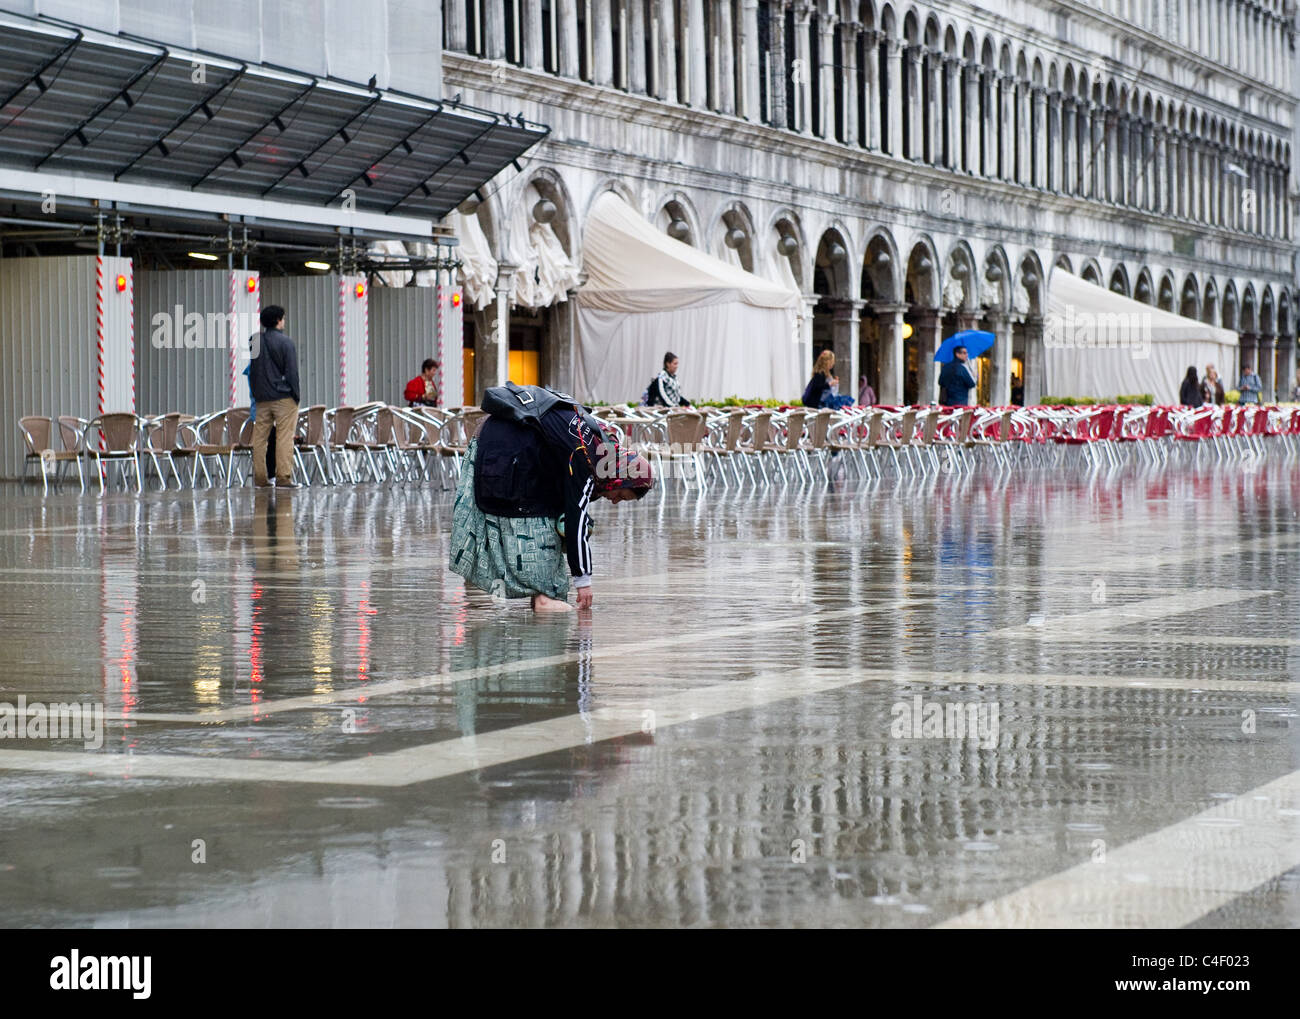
(80,102)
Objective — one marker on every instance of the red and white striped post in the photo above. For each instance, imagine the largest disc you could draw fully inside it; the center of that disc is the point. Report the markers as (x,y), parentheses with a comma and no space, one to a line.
(234,337)
(343,340)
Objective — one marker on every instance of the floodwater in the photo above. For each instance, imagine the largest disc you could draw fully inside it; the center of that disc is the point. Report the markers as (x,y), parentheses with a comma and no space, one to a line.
(1053,697)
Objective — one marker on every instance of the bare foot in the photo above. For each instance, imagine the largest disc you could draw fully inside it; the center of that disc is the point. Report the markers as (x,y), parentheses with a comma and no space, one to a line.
(541,603)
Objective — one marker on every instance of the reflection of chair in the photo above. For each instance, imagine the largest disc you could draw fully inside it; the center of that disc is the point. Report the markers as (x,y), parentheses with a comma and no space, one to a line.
(38,433)
(119,434)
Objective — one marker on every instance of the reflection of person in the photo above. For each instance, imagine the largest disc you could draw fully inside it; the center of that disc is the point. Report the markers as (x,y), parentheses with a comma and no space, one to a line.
(956,380)
(1250,386)
(273,382)
(1189,394)
(420,391)
(525,477)
(1211,386)
(664,391)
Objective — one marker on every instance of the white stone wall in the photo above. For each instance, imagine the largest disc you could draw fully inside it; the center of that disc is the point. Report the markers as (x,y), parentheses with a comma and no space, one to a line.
(1145,143)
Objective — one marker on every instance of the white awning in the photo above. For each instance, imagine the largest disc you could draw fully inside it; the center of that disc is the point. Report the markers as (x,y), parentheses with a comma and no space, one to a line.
(1102,344)
(647,294)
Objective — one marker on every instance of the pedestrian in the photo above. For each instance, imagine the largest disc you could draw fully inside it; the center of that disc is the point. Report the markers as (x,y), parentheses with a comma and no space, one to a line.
(273,382)
(866,395)
(1250,386)
(1189,394)
(252,418)
(421,391)
(664,391)
(527,484)
(1212,391)
(956,380)
(823,388)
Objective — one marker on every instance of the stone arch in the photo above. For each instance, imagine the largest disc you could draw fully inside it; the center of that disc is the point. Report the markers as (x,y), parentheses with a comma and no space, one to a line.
(924,280)
(734,216)
(1230,317)
(1031,279)
(961,291)
(1119,281)
(1189,299)
(785,223)
(881,278)
(678,207)
(1144,290)
(1063,262)
(1091,271)
(548,184)
(1210,303)
(996,280)
(1249,319)
(1167,292)
(832,275)
(1267,313)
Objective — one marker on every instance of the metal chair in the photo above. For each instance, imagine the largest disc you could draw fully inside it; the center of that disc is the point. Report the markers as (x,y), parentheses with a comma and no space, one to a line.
(119,435)
(38,433)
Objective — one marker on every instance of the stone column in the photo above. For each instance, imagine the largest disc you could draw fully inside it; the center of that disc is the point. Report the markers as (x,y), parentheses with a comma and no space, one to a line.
(825,58)
(1040,125)
(1161,163)
(803,85)
(457,30)
(567,26)
(871,92)
(1247,353)
(928,326)
(1267,379)
(747,102)
(1006,134)
(602,43)
(889,355)
(1069,146)
(915,127)
(849,60)
(951,150)
(563,342)
(725,47)
(895,127)
(1035,361)
(697,66)
(1286,361)
(532,34)
(494,31)
(1087,150)
(933,112)
(989,136)
(1023,137)
(779,77)
(971,143)
(1000,390)
(666,53)
(844,343)
(492,356)
(635,46)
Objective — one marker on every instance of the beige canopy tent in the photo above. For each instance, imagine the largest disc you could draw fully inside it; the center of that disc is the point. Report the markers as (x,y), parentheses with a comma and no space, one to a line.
(647,294)
(1099,343)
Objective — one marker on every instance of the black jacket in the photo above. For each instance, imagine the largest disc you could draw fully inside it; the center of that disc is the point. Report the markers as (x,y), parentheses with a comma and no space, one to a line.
(273,374)
(1189,394)
(955,384)
(546,471)
(812,393)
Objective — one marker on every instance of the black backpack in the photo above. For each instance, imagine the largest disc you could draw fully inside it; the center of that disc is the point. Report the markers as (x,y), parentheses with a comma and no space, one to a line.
(525,405)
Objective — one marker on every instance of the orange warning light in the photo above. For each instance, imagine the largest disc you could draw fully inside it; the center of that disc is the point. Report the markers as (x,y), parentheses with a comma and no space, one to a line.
(455,298)
(252,284)
(361,290)
(121,284)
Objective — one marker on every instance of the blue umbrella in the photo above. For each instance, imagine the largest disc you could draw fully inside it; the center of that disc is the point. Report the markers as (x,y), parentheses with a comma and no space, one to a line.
(975,341)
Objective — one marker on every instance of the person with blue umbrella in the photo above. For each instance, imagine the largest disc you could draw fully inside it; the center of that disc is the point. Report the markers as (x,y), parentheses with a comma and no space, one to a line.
(955,379)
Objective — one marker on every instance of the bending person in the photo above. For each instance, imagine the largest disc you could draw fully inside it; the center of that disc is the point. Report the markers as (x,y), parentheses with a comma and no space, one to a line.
(520,525)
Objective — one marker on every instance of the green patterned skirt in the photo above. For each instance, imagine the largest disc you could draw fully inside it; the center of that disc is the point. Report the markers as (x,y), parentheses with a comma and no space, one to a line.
(508,557)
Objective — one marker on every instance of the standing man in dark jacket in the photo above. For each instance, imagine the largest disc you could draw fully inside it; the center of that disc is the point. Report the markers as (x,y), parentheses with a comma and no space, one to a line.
(955,380)
(273,383)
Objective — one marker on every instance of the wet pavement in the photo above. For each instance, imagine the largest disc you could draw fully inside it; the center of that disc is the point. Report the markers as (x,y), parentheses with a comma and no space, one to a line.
(1030,698)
